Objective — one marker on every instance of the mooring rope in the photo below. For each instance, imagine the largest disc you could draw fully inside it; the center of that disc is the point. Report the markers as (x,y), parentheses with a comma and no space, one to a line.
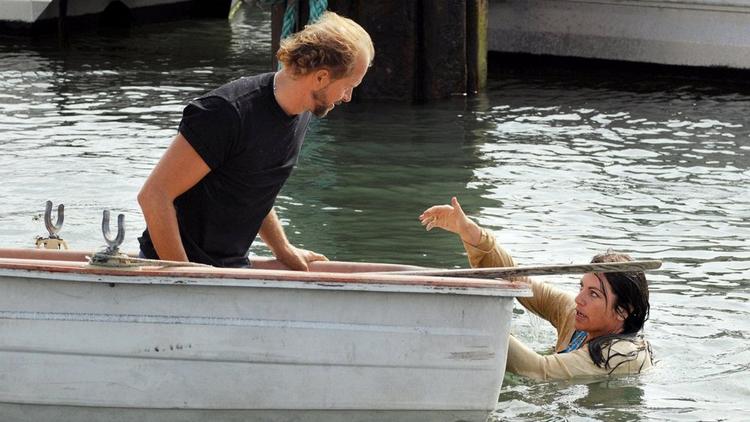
(291,10)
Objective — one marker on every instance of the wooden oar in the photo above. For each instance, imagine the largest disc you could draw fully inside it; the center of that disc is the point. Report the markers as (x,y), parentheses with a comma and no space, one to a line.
(505,272)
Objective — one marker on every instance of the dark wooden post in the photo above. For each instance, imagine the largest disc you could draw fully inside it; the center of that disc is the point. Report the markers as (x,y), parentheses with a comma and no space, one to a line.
(277,18)
(62,26)
(443,48)
(393,28)
(303,14)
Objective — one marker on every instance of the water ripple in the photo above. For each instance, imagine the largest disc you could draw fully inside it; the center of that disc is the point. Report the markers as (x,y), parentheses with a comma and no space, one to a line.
(560,168)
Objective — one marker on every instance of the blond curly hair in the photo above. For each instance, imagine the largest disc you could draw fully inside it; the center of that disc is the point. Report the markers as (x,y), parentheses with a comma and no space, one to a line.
(333,43)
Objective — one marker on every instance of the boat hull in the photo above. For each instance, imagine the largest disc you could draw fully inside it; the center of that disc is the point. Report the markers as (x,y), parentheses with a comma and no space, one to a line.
(75,346)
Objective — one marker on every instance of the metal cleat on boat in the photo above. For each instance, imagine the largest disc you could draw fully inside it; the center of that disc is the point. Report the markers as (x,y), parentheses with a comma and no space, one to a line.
(54,241)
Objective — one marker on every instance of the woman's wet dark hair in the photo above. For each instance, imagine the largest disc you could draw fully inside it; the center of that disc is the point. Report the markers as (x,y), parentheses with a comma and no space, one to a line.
(631,300)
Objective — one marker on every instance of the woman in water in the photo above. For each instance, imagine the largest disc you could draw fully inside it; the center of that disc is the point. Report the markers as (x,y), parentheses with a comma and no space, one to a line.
(598,330)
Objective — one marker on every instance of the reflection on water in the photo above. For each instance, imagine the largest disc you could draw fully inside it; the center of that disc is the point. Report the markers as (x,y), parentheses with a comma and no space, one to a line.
(561,165)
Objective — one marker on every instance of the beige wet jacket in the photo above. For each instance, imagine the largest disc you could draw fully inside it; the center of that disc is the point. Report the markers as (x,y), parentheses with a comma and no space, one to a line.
(557,307)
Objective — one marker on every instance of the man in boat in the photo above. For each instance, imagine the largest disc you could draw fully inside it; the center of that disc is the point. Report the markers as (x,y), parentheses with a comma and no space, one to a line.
(598,330)
(213,190)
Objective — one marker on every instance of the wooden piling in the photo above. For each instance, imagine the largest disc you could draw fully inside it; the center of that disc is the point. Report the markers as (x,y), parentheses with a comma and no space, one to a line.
(393,28)
(62,15)
(443,49)
(425,49)
(476,45)
(277,18)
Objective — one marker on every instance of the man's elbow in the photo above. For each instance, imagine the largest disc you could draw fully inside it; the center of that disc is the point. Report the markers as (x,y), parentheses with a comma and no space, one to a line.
(150,199)
(144,196)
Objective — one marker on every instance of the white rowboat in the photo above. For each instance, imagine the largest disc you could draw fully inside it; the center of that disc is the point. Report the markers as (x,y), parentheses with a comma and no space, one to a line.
(79,342)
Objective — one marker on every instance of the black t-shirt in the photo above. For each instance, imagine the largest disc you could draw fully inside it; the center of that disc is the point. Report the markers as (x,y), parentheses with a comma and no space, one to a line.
(251,146)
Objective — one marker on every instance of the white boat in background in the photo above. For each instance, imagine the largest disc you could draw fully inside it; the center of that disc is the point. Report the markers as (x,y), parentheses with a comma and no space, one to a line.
(672,32)
(31,12)
(81,342)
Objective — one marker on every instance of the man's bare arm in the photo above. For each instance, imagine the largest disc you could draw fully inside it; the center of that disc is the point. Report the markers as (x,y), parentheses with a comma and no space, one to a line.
(272,233)
(178,170)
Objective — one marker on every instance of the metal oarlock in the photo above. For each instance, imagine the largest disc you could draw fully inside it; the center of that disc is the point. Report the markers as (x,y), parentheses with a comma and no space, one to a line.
(111,256)
(54,241)
(113,244)
(53,229)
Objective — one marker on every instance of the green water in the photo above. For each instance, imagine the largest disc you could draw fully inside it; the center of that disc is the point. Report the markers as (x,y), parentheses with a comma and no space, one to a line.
(561,164)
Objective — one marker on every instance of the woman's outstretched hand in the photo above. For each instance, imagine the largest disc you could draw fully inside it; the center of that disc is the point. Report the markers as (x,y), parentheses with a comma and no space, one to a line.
(451,218)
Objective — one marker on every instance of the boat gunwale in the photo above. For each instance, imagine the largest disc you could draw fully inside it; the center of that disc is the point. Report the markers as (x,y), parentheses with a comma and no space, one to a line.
(274,278)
